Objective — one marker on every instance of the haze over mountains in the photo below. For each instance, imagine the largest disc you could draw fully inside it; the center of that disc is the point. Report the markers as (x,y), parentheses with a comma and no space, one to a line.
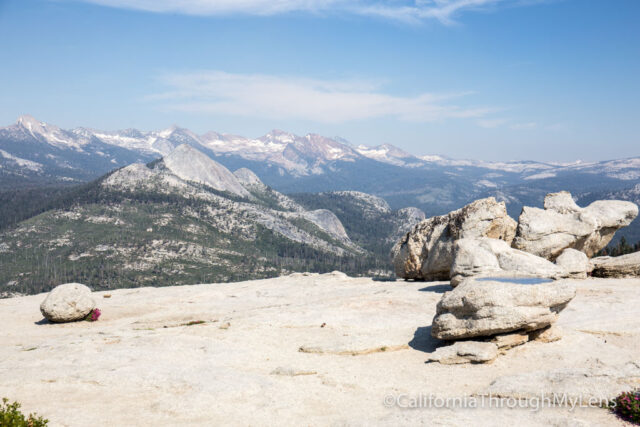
(33,152)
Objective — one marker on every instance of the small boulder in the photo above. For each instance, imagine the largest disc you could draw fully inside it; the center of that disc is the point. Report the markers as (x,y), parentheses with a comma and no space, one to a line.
(465,352)
(619,266)
(482,308)
(563,224)
(575,263)
(426,252)
(67,303)
(495,258)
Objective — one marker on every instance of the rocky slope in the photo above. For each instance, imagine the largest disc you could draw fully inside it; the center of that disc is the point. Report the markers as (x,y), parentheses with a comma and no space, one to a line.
(368,219)
(307,349)
(183,219)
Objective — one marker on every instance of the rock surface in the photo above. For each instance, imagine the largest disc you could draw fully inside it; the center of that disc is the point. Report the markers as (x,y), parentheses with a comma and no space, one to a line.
(563,224)
(575,263)
(492,257)
(510,340)
(426,252)
(128,366)
(620,266)
(193,165)
(67,303)
(479,308)
(464,352)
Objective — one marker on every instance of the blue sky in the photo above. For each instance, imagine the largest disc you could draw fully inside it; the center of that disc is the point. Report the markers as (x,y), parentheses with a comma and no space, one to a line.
(486,79)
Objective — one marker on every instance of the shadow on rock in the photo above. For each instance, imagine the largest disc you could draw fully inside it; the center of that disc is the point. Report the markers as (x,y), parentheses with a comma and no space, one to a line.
(423,341)
(438,289)
(384,279)
(43,321)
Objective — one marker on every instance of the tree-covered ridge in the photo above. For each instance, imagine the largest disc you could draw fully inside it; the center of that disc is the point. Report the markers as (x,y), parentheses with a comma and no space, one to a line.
(112,237)
(370,225)
(130,240)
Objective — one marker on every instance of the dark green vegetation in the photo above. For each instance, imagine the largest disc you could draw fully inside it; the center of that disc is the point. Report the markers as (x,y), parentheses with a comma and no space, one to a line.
(375,230)
(145,240)
(22,203)
(10,416)
(620,248)
(113,238)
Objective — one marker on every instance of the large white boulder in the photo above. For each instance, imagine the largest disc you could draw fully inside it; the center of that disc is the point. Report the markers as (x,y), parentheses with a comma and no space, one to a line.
(480,308)
(563,224)
(575,263)
(67,303)
(486,257)
(426,252)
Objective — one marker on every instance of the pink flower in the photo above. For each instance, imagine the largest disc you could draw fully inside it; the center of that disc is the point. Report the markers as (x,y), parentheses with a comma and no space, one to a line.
(95,314)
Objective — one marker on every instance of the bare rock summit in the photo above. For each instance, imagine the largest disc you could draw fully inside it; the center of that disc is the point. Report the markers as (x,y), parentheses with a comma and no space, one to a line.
(563,224)
(426,252)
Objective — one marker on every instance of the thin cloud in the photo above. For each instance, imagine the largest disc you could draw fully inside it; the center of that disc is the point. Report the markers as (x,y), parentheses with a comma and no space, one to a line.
(404,10)
(491,123)
(524,126)
(273,97)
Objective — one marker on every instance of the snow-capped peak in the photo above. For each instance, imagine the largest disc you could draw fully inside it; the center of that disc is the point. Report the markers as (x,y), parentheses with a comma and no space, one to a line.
(166,133)
(34,126)
(279,136)
(29,121)
(388,153)
(51,134)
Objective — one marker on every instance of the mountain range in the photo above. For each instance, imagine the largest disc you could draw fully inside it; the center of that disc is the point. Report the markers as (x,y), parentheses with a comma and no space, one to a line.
(33,153)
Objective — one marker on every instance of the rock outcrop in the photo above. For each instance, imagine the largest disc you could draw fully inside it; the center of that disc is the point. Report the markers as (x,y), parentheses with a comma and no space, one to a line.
(620,266)
(575,263)
(426,252)
(193,165)
(67,303)
(478,308)
(563,224)
(492,257)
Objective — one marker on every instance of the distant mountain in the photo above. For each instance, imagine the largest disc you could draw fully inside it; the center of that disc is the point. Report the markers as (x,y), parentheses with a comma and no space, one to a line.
(32,151)
(185,219)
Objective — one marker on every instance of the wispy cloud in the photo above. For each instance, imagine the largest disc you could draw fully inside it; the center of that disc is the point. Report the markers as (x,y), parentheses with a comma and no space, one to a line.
(274,97)
(524,126)
(405,10)
(491,123)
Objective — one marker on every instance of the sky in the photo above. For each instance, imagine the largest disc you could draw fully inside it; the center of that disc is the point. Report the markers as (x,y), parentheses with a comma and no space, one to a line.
(546,80)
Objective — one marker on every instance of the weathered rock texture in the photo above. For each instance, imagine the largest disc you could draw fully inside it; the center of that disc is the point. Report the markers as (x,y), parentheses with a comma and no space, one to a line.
(426,252)
(620,266)
(465,352)
(67,303)
(563,224)
(575,263)
(495,258)
(483,308)
(141,361)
